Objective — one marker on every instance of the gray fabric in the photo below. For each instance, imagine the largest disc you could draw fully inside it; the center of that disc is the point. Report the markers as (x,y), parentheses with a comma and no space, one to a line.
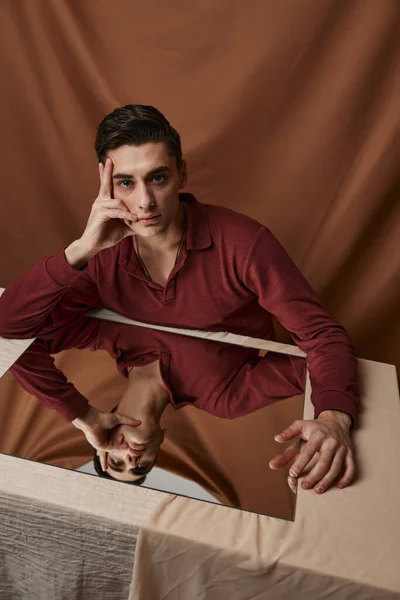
(48,552)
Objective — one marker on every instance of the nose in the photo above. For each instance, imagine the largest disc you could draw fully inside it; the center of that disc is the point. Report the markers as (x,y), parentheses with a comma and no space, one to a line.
(134,455)
(145,199)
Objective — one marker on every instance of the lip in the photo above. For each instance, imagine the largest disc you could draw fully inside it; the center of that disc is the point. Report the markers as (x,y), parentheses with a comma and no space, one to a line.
(137,448)
(137,452)
(150,220)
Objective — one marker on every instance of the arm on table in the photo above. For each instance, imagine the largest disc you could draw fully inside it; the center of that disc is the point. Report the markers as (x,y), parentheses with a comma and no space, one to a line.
(52,292)
(284,292)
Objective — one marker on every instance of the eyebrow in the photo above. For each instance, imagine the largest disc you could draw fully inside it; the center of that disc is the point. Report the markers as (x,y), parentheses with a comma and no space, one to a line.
(156,171)
(133,471)
(117,469)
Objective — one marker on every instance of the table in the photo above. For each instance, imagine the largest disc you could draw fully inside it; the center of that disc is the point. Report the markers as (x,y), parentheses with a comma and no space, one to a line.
(344,544)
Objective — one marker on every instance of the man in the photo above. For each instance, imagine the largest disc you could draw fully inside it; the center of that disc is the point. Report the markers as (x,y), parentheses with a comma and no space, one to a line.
(157,255)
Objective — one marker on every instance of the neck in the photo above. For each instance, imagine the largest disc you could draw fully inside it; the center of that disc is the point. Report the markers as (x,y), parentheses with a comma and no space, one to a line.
(144,399)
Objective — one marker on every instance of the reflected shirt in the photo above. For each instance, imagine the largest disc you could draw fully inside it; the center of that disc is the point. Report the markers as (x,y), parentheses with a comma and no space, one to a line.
(225,380)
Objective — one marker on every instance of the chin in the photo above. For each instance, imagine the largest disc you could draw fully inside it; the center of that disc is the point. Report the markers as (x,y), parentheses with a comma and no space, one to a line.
(149,232)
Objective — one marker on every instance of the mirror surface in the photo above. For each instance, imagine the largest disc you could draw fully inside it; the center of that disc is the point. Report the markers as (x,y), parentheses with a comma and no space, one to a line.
(209,410)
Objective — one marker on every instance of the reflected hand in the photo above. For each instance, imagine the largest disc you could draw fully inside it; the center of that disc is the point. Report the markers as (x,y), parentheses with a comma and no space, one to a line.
(98,427)
(328,442)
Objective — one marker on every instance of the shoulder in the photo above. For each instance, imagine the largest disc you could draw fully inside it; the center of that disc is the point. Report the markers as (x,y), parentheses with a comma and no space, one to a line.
(237,235)
(228,224)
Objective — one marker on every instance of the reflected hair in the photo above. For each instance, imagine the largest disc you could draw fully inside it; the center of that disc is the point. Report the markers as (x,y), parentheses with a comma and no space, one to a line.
(134,125)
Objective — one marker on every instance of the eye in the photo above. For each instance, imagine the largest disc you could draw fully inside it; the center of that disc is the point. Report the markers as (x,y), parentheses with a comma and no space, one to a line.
(127,181)
(159,178)
(115,462)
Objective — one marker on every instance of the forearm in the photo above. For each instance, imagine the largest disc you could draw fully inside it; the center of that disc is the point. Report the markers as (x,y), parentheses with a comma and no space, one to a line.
(334,378)
(85,421)
(37,374)
(50,293)
(285,293)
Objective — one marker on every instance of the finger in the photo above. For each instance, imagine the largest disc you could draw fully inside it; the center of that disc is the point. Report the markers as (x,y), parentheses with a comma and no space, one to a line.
(123,446)
(282,460)
(106,179)
(122,420)
(294,430)
(328,461)
(103,459)
(118,213)
(336,466)
(306,454)
(292,483)
(350,470)
(113,203)
(101,174)
(107,205)
(113,446)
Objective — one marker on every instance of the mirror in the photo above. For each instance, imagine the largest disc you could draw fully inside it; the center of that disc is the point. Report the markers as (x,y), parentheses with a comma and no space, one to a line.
(220,406)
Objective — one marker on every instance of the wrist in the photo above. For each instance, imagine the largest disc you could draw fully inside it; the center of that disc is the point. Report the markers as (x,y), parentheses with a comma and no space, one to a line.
(338,416)
(86,421)
(78,254)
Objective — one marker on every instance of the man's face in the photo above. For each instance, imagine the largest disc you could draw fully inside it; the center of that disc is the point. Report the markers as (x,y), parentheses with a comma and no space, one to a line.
(147,181)
(139,458)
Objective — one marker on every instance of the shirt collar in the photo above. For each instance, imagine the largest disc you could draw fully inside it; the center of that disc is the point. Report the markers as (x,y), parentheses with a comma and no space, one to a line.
(198,235)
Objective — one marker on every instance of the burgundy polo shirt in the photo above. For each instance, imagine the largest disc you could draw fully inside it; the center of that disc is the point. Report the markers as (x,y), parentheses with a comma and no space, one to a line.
(231,275)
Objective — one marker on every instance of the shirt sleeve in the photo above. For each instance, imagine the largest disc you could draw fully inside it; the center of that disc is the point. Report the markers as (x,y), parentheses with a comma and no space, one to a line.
(283,291)
(36,372)
(50,294)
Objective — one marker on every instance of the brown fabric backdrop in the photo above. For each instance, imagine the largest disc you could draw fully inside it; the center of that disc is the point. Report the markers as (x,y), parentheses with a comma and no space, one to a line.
(288,111)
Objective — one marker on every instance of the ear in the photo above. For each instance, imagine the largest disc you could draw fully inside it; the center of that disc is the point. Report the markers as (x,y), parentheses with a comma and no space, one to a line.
(183,174)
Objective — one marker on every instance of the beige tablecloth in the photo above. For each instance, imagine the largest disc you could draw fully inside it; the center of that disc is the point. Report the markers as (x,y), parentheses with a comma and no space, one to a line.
(344,545)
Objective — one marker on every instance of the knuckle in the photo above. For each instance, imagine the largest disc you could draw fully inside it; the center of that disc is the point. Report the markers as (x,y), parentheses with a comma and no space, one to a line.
(318,436)
(332,444)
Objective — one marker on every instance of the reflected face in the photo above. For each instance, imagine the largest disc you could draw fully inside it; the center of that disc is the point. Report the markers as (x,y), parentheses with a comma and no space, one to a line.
(139,458)
(147,181)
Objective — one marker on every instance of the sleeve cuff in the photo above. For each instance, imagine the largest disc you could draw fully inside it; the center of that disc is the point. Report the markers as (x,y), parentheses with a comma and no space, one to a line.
(75,407)
(60,270)
(331,400)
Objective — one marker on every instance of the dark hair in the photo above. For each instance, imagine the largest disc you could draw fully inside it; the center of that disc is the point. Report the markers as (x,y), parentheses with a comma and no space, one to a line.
(133,125)
(101,473)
